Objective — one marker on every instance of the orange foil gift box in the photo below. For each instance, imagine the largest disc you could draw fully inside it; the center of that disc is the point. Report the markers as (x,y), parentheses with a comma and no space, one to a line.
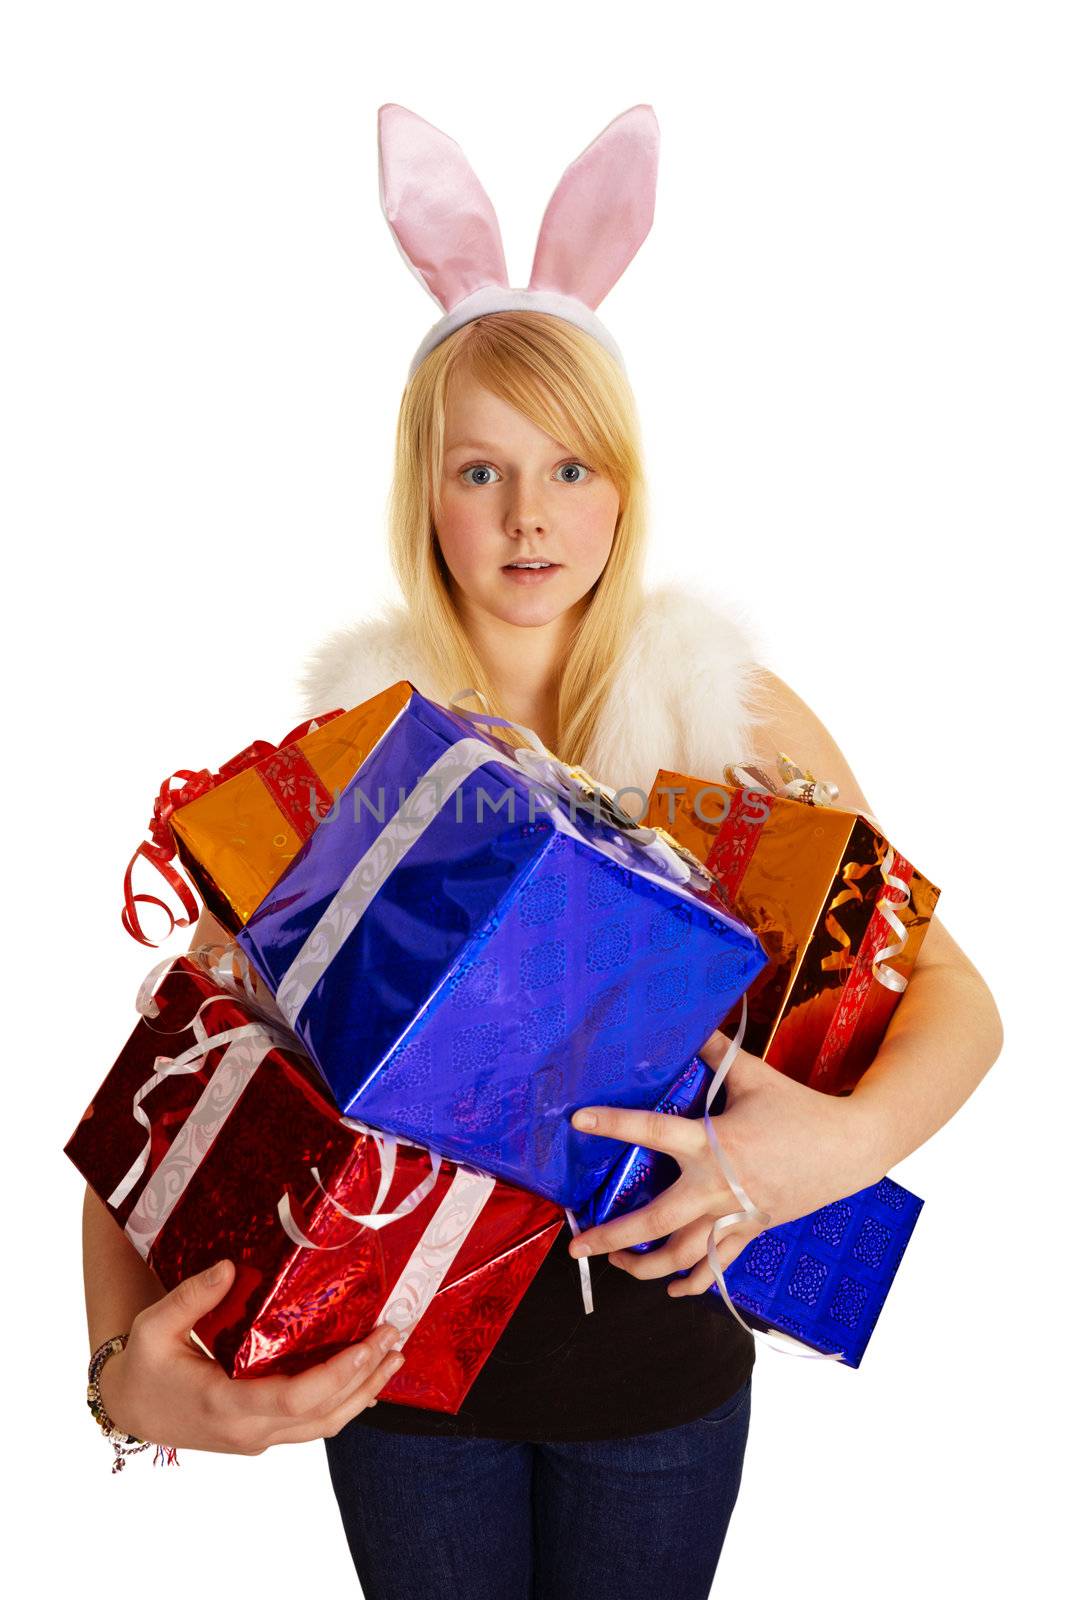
(839,911)
(236,831)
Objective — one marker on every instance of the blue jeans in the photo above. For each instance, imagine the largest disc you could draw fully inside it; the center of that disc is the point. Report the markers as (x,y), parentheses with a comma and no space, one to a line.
(441,1518)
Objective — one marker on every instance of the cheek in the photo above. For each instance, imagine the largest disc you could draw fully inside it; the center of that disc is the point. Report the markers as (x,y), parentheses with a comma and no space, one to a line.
(590,529)
(462,530)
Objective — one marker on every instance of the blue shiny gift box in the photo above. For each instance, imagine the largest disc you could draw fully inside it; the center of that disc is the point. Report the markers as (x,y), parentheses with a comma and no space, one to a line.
(469,958)
(821,1279)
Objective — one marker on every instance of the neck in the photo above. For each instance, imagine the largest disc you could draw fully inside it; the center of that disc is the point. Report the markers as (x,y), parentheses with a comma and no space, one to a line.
(523,663)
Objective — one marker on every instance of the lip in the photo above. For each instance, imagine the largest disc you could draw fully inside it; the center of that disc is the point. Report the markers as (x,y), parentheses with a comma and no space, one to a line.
(530,575)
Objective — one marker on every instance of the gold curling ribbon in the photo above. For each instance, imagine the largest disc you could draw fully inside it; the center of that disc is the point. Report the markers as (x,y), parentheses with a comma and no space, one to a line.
(799,784)
(844,957)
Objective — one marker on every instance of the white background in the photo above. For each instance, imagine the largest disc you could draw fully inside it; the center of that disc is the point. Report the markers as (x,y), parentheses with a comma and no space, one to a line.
(849,334)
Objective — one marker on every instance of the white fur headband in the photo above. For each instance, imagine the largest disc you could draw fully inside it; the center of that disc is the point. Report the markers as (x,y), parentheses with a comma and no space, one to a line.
(447,231)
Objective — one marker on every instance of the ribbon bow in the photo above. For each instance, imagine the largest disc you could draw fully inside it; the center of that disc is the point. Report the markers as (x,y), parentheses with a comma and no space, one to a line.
(230,970)
(176,791)
(799,784)
(264,1033)
(669,857)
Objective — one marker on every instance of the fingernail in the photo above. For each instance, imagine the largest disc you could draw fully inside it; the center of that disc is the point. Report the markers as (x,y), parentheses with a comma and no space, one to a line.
(580,1249)
(215,1273)
(394,1363)
(584,1119)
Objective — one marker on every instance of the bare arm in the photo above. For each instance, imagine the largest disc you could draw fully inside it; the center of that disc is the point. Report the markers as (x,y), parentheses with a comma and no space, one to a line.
(946,1032)
(162,1387)
(794,1148)
(118,1283)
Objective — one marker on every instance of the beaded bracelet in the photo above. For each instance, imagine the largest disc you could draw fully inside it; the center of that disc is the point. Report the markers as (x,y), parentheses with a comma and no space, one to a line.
(124,1444)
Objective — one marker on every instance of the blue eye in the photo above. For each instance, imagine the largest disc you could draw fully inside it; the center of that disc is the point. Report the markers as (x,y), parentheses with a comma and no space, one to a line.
(481,466)
(568,465)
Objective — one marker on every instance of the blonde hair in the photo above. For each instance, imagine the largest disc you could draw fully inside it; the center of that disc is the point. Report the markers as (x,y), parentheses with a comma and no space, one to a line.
(568,385)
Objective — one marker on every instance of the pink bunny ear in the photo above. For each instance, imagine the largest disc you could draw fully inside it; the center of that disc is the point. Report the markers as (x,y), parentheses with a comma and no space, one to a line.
(441,219)
(601,212)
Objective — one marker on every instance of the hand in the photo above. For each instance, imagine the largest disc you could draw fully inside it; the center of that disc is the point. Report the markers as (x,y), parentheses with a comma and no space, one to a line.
(792,1148)
(161,1387)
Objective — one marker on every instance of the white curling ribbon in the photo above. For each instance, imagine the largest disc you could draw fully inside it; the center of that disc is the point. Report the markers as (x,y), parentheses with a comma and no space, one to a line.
(255,1033)
(375,1217)
(244,1053)
(230,969)
(887,975)
(749,1212)
(245,1049)
(582,1262)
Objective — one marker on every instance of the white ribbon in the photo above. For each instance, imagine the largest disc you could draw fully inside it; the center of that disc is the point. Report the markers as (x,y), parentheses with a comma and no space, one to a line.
(246,1047)
(887,975)
(387,1146)
(423,1273)
(545,768)
(264,1035)
(446,1231)
(351,900)
(582,1262)
(749,1212)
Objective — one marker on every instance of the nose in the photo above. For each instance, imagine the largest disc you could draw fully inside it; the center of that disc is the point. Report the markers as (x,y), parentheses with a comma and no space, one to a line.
(526,516)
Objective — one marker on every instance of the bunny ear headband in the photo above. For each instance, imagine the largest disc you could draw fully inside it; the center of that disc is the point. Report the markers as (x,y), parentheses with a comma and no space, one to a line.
(448,233)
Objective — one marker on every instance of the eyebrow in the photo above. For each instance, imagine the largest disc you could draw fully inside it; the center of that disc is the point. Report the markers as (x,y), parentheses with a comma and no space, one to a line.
(477,445)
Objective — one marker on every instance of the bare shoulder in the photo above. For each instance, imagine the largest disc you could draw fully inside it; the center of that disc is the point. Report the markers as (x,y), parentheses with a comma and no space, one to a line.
(790,726)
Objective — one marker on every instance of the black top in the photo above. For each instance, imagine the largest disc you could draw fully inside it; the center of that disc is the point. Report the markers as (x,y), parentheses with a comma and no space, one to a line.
(639,1362)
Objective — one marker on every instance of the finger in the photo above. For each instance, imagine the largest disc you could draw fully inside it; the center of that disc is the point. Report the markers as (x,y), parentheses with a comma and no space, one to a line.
(177,1311)
(680,1137)
(675,1208)
(318,1389)
(702,1276)
(713,1049)
(349,1407)
(682,1250)
(698,1281)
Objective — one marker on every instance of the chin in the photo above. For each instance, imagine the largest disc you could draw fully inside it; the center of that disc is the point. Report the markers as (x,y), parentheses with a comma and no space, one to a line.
(532,610)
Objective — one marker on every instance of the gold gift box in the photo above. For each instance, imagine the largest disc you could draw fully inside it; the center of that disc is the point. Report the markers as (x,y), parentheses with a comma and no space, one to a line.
(238,838)
(810,881)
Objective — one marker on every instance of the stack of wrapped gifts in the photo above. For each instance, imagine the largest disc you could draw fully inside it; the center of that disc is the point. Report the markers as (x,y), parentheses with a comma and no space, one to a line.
(453,950)
(443,946)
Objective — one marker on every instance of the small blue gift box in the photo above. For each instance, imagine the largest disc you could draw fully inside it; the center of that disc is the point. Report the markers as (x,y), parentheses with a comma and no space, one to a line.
(821,1279)
(469,956)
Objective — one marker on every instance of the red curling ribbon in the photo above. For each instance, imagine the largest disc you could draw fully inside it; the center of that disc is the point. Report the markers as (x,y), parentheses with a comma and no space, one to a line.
(159,848)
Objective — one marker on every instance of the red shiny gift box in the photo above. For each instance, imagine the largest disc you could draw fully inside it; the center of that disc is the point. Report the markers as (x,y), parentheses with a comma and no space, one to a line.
(213,1135)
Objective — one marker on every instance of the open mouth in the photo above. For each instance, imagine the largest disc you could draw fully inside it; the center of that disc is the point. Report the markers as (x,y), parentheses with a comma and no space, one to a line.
(527,573)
